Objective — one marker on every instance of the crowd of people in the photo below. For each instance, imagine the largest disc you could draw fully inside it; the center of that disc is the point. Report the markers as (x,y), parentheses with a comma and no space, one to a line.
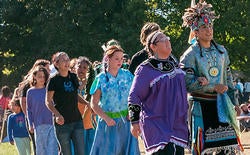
(243,112)
(71,106)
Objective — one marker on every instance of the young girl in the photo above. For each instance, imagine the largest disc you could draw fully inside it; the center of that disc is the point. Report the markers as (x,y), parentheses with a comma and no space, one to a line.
(39,117)
(23,88)
(109,101)
(17,130)
(85,76)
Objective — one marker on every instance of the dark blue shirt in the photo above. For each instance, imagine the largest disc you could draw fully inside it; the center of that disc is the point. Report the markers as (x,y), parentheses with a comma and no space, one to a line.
(16,126)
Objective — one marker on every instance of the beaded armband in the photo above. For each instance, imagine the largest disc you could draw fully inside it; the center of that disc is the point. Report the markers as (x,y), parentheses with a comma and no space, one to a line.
(134,112)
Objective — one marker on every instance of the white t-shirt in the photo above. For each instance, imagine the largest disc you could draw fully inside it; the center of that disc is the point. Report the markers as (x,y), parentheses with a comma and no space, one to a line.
(247,87)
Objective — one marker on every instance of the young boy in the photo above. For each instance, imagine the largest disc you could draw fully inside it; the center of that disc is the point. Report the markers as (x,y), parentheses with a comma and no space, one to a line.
(17,130)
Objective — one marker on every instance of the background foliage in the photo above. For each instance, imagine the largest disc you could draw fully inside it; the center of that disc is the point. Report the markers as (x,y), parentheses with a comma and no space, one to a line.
(36,29)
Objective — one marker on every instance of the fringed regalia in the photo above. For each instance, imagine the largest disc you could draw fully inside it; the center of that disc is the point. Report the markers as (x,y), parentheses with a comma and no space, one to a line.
(212,117)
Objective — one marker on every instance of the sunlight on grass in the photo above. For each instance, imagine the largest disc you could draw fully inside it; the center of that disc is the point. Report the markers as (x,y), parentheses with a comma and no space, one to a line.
(7,149)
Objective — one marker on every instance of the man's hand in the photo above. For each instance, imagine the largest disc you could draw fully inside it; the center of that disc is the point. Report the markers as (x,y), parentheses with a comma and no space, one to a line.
(203,81)
(220,88)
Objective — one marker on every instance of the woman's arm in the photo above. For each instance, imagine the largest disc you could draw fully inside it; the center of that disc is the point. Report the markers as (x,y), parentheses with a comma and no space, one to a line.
(82,100)
(49,103)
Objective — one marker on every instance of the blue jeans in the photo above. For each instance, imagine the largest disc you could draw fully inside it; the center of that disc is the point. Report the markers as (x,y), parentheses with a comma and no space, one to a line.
(67,132)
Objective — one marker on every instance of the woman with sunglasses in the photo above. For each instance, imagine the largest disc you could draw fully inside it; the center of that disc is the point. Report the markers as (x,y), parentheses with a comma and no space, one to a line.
(157,101)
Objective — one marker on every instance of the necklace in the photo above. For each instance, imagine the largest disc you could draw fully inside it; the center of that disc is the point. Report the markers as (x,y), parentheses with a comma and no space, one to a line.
(82,86)
(82,81)
(212,62)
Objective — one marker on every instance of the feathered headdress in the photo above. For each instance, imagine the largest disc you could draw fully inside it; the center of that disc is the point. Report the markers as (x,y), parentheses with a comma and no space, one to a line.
(198,15)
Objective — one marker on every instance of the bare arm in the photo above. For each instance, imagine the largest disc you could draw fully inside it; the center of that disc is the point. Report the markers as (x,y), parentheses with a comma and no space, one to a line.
(82,100)
(49,103)
(94,105)
(135,130)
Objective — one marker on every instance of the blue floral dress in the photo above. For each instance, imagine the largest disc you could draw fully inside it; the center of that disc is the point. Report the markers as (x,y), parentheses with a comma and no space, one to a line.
(116,139)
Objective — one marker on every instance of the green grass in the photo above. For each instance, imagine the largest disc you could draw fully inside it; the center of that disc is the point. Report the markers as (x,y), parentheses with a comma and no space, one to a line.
(7,149)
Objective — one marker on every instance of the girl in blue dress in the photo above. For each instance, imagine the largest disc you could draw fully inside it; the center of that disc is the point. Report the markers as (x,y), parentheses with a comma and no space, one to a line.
(109,92)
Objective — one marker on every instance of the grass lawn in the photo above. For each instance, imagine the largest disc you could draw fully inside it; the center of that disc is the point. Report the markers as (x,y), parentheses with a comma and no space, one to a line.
(7,149)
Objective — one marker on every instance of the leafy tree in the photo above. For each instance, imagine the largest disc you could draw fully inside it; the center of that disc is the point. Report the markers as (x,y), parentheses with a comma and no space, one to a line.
(231,29)
(37,29)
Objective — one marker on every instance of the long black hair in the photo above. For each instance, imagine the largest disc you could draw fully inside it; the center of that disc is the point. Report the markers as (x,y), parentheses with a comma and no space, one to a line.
(213,43)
